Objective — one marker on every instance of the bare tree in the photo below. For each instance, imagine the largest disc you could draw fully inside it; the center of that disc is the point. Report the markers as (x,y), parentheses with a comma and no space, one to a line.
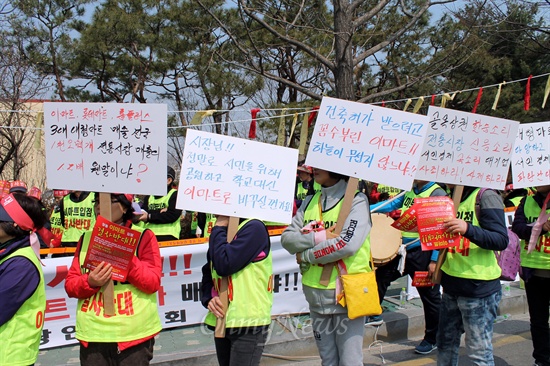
(19,84)
(356,50)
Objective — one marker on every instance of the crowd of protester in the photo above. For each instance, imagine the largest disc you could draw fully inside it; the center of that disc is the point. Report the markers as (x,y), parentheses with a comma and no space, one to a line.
(468,302)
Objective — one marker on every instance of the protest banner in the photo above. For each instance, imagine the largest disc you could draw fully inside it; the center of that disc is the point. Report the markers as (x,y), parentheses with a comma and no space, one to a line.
(531,158)
(230,176)
(179,297)
(467,149)
(106,147)
(114,244)
(366,141)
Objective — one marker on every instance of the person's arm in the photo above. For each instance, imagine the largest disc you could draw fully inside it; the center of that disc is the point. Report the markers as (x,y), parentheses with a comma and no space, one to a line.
(491,234)
(520,226)
(207,284)
(229,258)
(292,239)
(354,232)
(396,204)
(168,215)
(145,268)
(18,282)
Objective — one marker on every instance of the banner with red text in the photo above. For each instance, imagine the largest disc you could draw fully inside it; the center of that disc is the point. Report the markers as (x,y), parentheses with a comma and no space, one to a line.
(179,296)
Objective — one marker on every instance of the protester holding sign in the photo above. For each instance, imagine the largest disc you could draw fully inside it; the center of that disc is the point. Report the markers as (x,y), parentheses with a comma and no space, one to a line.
(470,278)
(247,261)
(161,214)
(128,337)
(339,338)
(22,290)
(415,260)
(532,224)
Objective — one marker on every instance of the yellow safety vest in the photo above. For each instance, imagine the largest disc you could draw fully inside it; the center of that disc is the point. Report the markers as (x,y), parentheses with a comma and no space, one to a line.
(250,294)
(357,263)
(136,315)
(22,333)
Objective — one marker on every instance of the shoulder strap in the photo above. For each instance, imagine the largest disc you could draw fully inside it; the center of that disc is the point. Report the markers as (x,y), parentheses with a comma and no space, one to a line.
(478,200)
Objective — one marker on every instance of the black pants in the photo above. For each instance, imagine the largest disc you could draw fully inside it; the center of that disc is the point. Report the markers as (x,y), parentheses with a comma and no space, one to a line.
(416,260)
(537,290)
(241,347)
(106,354)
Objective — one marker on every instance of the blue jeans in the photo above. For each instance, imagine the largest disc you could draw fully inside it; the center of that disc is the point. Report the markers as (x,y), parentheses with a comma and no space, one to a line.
(473,316)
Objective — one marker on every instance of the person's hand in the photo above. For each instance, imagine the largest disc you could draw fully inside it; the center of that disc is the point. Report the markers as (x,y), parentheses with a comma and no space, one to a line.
(456,226)
(164,210)
(100,275)
(299,258)
(331,234)
(222,220)
(144,217)
(313,225)
(215,306)
(546,226)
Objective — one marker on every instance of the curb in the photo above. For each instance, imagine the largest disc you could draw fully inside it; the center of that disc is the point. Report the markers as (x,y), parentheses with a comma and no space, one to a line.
(290,341)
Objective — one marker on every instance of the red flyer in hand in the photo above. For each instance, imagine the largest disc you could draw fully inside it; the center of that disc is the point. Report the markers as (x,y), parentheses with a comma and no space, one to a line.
(407,221)
(431,212)
(421,279)
(114,244)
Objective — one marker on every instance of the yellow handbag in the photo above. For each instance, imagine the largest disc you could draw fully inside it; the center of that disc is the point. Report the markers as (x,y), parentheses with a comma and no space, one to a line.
(360,294)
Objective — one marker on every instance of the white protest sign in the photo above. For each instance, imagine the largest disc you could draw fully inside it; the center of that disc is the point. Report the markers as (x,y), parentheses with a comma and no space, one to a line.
(365,141)
(531,158)
(106,147)
(236,177)
(467,149)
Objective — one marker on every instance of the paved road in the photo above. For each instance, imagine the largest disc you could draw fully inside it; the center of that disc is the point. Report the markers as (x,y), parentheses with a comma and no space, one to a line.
(511,342)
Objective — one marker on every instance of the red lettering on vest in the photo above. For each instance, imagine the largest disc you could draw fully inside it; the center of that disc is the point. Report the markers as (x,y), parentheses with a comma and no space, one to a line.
(230,288)
(270,284)
(39,319)
(125,304)
(543,245)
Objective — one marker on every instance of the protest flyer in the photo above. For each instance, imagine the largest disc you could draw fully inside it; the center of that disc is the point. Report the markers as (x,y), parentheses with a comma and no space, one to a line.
(407,221)
(114,244)
(530,161)
(421,279)
(365,141)
(431,213)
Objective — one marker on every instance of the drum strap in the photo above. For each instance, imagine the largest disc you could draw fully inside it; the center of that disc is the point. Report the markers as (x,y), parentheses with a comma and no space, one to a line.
(342,215)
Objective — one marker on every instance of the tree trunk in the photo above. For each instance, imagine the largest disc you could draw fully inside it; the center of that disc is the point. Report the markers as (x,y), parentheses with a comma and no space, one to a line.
(343,71)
